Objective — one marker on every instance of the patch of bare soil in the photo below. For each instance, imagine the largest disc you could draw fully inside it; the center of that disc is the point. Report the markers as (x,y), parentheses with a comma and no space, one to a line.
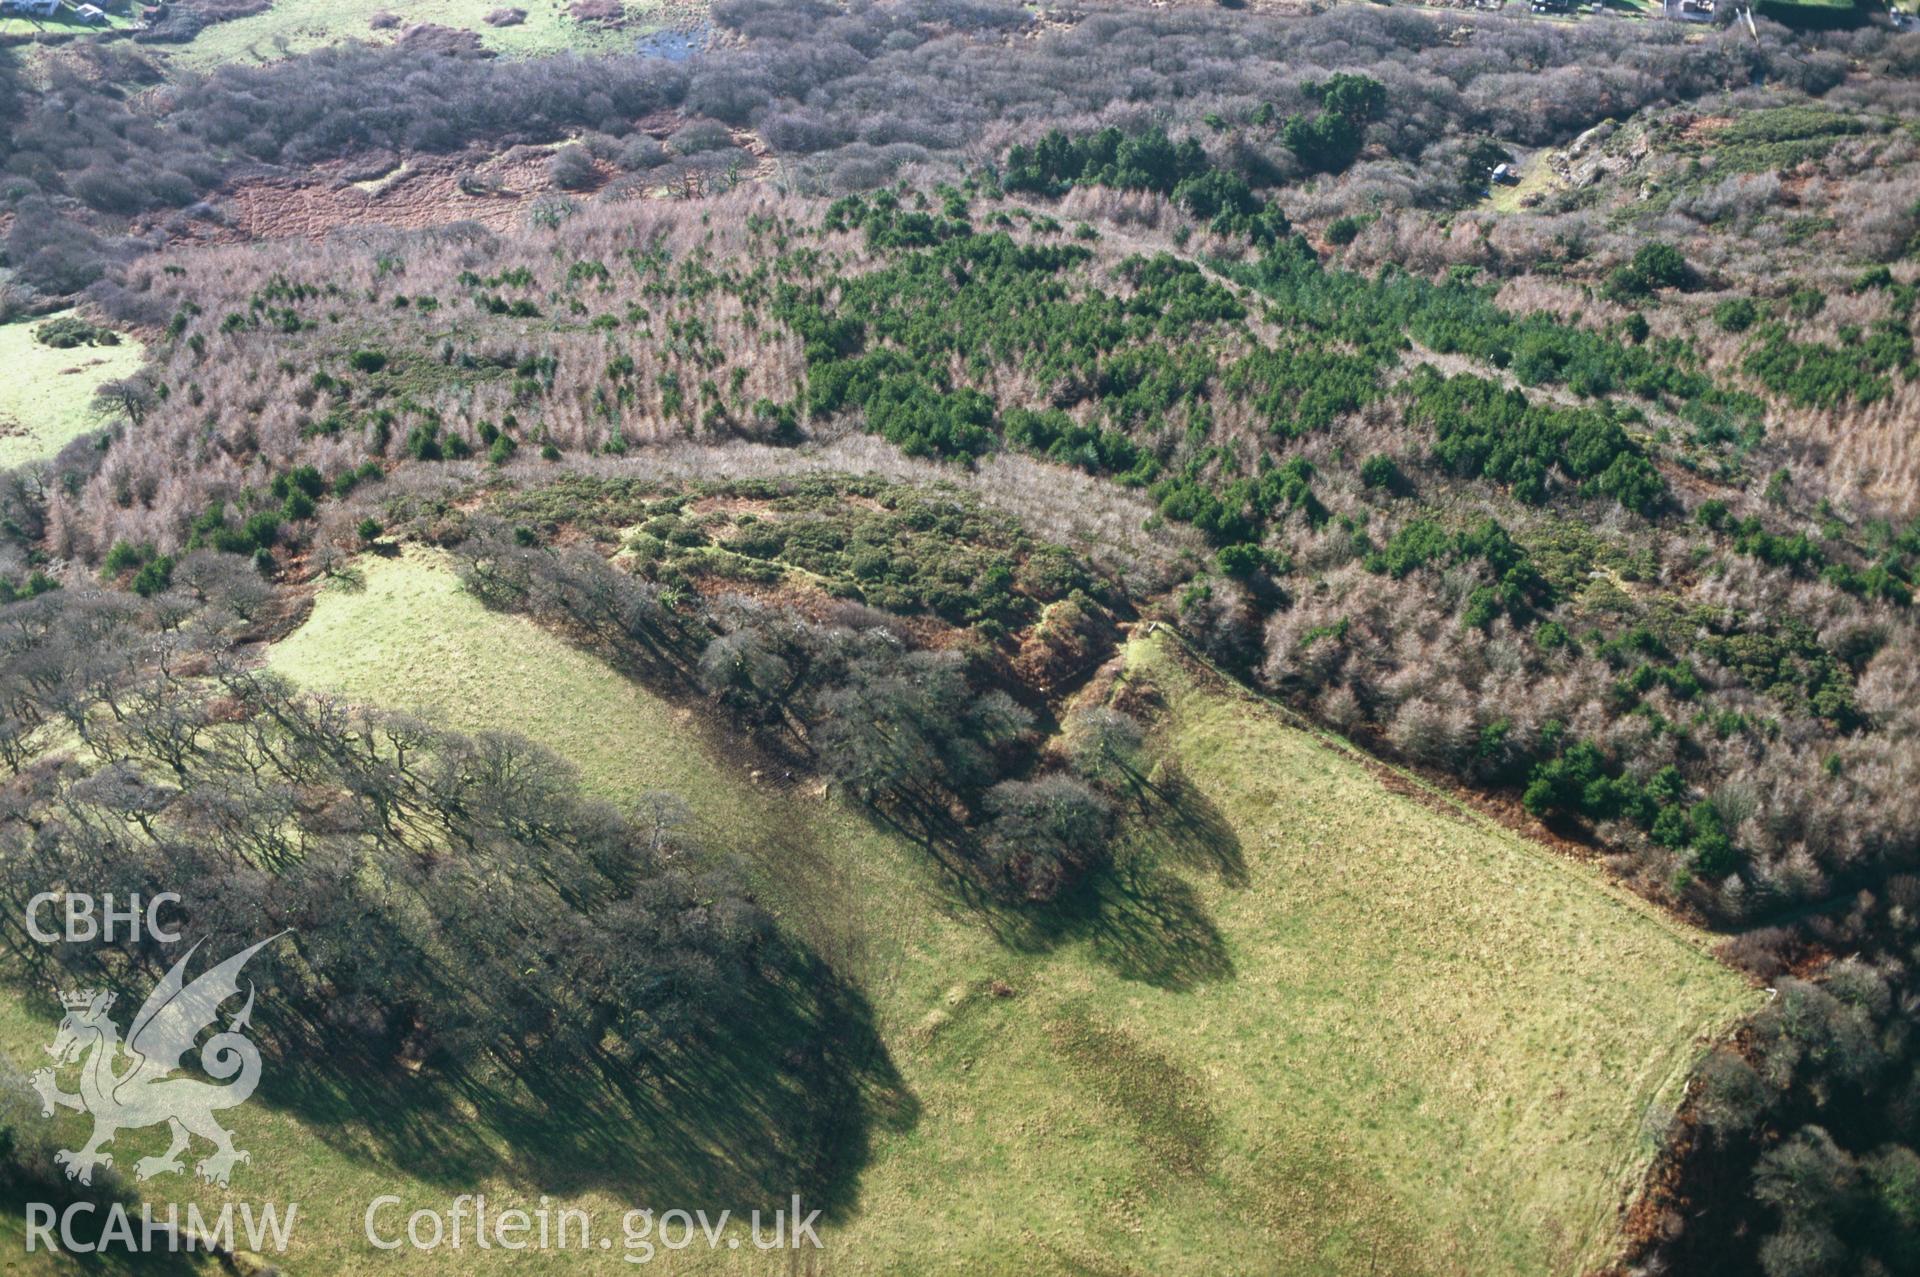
(1660,1208)
(750,142)
(1685,1181)
(381,189)
(1068,647)
(728,506)
(1697,485)
(423,191)
(1705,126)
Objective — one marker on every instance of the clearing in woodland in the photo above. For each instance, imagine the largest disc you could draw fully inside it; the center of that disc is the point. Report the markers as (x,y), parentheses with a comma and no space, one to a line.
(1332,1010)
(1339,1026)
(46,394)
(292,27)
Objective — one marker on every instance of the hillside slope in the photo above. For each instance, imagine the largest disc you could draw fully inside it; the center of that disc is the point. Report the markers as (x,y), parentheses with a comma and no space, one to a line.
(1336,1025)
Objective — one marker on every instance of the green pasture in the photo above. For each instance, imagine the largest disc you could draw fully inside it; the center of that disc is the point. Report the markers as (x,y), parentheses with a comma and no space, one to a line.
(1313,1023)
(45,392)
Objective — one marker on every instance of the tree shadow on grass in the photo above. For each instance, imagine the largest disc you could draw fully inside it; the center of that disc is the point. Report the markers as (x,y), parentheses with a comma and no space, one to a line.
(1142,920)
(1177,824)
(34,1190)
(89,1228)
(779,1098)
(1147,925)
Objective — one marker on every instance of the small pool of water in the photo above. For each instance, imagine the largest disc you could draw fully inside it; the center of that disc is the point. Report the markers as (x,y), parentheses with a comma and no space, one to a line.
(673,45)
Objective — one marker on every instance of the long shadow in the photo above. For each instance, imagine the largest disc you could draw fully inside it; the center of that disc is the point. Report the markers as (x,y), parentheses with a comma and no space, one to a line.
(364,1108)
(30,1177)
(1180,825)
(1138,917)
(89,1227)
(1147,925)
(781,1096)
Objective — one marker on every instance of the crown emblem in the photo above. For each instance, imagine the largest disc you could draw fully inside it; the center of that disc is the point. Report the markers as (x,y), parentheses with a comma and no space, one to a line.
(167,1028)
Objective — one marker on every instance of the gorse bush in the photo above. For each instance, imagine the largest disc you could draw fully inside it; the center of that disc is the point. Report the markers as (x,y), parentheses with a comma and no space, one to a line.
(69,331)
(1736,314)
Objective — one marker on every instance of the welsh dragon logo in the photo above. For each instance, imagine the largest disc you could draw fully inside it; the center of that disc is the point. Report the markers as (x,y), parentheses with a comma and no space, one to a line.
(145,1092)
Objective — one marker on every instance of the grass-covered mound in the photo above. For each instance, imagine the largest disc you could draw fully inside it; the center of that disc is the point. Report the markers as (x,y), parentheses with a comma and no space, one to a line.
(1327,1022)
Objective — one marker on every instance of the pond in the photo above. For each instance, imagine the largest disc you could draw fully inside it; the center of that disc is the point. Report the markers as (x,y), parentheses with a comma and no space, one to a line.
(674,44)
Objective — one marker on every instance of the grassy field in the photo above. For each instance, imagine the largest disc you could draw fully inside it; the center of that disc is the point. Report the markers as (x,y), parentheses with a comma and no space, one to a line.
(61,24)
(1813,13)
(299,26)
(1536,178)
(44,394)
(1322,1028)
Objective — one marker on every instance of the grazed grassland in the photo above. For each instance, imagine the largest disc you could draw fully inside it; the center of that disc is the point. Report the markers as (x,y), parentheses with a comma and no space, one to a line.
(44,392)
(293,27)
(1323,1022)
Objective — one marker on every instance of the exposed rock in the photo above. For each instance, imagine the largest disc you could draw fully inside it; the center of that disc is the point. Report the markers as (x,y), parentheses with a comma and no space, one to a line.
(1593,137)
